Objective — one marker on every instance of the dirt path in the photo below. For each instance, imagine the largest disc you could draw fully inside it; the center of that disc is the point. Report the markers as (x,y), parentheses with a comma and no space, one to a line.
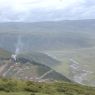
(45,74)
(2,68)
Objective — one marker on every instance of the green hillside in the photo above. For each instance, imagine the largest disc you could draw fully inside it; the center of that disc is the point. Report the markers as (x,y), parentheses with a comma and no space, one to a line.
(4,53)
(82,59)
(41,58)
(20,87)
(30,69)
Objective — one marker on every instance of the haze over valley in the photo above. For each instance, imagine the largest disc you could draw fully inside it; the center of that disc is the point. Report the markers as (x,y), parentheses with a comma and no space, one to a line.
(66,47)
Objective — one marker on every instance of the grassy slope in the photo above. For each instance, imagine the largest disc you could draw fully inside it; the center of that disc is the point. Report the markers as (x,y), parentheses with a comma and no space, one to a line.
(4,53)
(60,61)
(85,57)
(30,69)
(19,87)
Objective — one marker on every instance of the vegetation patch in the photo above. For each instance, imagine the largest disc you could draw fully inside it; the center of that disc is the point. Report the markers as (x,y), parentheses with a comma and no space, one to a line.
(21,87)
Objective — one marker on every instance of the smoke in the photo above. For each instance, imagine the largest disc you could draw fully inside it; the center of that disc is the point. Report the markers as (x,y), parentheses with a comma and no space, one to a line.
(18,49)
(19,45)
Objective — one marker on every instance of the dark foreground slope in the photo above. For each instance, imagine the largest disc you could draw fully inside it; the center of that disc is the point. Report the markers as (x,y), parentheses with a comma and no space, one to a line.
(19,87)
(28,69)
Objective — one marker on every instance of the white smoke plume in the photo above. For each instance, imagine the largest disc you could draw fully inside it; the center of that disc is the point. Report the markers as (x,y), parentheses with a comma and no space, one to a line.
(19,47)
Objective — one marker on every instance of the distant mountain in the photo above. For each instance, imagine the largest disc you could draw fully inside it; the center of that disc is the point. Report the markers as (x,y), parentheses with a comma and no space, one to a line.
(48,35)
